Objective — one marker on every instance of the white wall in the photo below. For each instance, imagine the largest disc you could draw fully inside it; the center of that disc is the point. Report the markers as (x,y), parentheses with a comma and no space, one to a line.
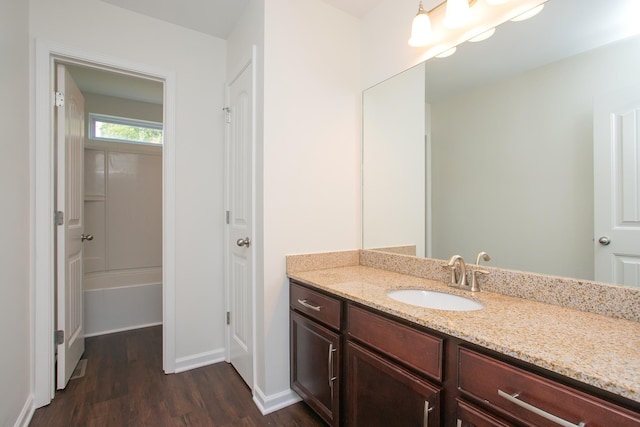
(198,61)
(15,306)
(311,155)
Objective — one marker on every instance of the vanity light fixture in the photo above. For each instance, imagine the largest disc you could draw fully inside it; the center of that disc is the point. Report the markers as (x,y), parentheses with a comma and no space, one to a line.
(528,14)
(457,14)
(420,28)
(483,36)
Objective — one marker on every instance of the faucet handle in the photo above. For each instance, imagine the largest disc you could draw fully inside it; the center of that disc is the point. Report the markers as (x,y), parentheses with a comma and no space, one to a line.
(475,286)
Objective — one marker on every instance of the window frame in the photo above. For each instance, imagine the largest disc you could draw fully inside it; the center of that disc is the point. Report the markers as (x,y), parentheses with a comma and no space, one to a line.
(125,121)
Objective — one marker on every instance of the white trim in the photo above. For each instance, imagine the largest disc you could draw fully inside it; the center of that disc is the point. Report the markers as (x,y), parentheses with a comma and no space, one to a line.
(26,414)
(249,61)
(274,402)
(199,360)
(131,328)
(42,190)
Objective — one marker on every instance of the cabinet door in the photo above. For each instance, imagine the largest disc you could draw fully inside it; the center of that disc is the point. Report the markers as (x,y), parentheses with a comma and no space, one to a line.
(468,415)
(315,366)
(381,393)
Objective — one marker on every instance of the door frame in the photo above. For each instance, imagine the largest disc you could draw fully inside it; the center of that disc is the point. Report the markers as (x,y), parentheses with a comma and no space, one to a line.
(249,60)
(42,187)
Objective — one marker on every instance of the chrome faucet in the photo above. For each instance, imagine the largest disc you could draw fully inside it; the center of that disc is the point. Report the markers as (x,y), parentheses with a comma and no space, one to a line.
(460,280)
(475,287)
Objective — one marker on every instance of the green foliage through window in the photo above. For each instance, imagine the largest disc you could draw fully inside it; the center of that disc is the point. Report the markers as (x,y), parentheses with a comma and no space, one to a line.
(120,129)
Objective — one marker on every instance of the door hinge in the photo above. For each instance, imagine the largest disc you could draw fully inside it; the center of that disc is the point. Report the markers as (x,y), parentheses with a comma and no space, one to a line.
(59,99)
(58,337)
(228,317)
(227,114)
(59,218)
(228,216)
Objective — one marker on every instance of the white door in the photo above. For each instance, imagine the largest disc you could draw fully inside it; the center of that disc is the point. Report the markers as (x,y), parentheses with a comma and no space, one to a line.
(69,232)
(617,187)
(240,247)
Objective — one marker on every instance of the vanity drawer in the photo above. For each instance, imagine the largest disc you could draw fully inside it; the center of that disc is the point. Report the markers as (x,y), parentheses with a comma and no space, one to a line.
(527,397)
(316,305)
(409,346)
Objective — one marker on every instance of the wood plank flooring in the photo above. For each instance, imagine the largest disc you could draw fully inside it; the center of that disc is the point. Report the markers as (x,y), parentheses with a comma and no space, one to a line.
(124,386)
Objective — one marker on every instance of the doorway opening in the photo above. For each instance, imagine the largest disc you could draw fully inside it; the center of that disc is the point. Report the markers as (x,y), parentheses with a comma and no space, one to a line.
(45,321)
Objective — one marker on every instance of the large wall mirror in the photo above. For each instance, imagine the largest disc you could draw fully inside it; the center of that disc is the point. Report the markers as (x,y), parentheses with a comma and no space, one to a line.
(492,149)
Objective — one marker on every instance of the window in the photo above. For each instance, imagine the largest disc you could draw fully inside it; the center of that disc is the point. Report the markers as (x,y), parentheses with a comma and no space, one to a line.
(111,128)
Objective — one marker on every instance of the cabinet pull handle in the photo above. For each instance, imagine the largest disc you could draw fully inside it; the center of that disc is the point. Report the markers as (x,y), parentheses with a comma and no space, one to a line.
(330,365)
(513,398)
(306,304)
(427,410)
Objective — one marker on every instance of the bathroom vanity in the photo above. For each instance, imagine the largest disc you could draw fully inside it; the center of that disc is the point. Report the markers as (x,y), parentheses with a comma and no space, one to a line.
(359,357)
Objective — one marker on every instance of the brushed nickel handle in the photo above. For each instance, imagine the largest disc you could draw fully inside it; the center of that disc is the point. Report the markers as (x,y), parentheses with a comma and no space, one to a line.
(427,409)
(604,240)
(84,237)
(330,366)
(513,398)
(306,304)
(243,242)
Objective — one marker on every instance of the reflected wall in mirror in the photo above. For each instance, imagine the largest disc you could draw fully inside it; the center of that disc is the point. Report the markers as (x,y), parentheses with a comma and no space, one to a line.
(509,126)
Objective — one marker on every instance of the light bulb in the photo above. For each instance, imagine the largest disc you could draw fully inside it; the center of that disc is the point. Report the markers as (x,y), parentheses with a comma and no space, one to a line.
(457,14)
(420,29)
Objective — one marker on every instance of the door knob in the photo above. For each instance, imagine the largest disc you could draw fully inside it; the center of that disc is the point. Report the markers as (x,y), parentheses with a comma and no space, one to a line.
(604,240)
(243,242)
(86,237)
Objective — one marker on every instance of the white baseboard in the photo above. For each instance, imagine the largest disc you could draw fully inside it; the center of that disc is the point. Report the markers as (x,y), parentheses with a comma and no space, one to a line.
(268,404)
(128,328)
(199,360)
(119,309)
(26,414)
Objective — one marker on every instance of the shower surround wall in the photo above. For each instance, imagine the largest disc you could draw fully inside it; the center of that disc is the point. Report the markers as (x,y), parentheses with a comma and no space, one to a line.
(123,211)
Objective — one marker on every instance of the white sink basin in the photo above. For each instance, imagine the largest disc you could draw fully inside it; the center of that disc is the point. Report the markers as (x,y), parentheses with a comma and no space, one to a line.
(434,299)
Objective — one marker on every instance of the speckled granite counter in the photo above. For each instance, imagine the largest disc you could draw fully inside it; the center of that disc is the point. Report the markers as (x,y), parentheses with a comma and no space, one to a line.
(594,349)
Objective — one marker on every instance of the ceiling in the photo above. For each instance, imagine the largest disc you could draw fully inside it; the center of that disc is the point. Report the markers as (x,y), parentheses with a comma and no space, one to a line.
(216,17)
(213,17)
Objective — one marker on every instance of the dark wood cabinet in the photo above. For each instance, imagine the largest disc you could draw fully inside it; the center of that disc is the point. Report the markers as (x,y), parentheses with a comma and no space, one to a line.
(316,351)
(358,366)
(468,415)
(531,399)
(382,393)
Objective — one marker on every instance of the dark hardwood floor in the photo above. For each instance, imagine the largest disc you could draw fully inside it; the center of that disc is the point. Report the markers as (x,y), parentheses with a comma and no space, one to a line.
(124,386)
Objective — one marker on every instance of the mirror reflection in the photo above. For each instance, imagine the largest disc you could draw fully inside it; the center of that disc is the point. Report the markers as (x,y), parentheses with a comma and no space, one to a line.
(492,149)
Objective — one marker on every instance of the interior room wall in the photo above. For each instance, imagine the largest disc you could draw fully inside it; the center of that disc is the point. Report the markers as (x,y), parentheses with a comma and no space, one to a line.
(199,63)
(15,304)
(555,103)
(311,177)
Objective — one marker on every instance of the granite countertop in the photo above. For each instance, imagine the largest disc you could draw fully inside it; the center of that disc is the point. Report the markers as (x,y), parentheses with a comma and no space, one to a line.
(591,348)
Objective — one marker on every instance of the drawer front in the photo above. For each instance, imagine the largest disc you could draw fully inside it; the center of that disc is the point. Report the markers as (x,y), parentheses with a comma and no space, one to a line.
(406,345)
(532,399)
(318,306)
